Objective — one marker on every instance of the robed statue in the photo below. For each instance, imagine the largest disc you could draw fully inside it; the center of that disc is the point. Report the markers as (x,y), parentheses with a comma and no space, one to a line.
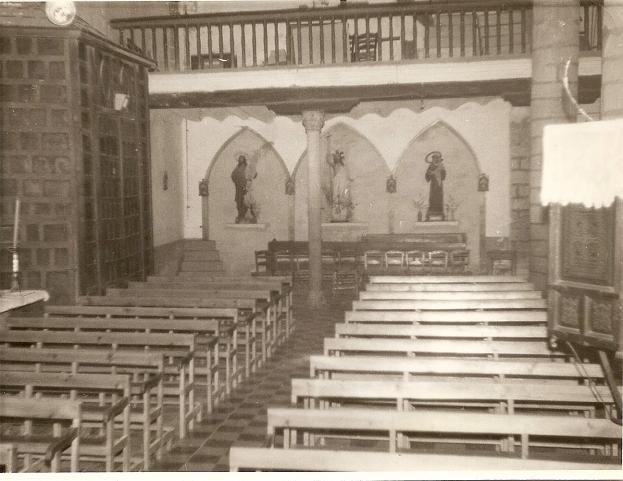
(435,176)
(341,202)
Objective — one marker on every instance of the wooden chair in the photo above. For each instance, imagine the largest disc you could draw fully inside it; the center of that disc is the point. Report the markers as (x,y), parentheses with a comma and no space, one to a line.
(345,279)
(373,260)
(417,261)
(34,413)
(459,261)
(363,47)
(394,260)
(261,261)
(438,261)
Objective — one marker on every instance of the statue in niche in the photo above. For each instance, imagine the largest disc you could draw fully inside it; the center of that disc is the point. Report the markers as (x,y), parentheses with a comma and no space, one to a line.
(341,202)
(435,176)
(239,178)
(243,177)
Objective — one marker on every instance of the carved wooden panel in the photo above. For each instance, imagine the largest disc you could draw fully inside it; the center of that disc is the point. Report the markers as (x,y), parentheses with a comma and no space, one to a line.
(570,311)
(587,245)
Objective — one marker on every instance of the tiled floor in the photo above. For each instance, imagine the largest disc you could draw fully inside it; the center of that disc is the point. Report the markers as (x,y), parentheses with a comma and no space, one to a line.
(242,418)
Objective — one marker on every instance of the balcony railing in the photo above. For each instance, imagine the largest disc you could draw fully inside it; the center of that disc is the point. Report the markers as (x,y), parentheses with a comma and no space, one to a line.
(392,32)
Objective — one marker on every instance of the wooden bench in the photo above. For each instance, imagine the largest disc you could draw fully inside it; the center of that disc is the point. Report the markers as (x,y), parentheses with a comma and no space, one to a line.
(205,329)
(450,287)
(383,331)
(449,296)
(498,317)
(147,374)
(441,347)
(391,367)
(105,403)
(273,459)
(446,280)
(399,429)
(179,350)
(448,305)
(248,306)
(280,286)
(224,322)
(501,397)
(47,447)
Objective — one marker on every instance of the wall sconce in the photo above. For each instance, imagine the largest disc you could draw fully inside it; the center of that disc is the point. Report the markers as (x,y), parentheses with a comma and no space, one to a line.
(203,187)
(165,180)
(121,101)
(483,183)
(390,185)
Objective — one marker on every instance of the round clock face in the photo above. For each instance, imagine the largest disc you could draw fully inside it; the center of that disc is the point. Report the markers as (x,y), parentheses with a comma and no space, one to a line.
(60,12)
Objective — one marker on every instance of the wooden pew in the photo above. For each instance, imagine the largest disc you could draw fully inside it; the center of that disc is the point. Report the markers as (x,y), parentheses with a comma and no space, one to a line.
(449,296)
(391,367)
(281,288)
(33,413)
(436,347)
(147,373)
(179,350)
(105,402)
(445,279)
(205,329)
(400,428)
(451,287)
(273,459)
(503,397)
(249,306)
(448,305)
(497,317)
(384,331)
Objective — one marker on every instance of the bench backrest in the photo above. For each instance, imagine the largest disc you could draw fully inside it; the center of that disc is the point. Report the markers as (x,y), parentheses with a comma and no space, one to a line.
(450,287)
(177,283)
(144,312)
(67,381)
(392,365)
(286,280)
(424,420)
(445,279)
(440,296)
(471,391)
(440,346)
(440,331)
(448,317)
(50,409)
(170,301)
(263,295)
(448,305)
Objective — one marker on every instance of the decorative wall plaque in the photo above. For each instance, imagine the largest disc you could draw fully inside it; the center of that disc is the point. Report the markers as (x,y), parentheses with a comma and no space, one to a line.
(587,245)
(203,187)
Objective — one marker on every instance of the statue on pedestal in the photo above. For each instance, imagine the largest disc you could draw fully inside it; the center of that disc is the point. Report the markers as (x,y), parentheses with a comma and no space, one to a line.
(341,202)
(435,175)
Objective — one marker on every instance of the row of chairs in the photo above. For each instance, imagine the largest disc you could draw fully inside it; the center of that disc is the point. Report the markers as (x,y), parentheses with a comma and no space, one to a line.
(416,261)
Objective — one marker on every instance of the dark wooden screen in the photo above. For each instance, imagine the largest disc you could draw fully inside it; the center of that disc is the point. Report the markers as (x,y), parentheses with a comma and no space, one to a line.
(586,270)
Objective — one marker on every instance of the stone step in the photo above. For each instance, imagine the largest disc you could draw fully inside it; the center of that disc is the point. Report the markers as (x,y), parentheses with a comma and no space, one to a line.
(201,266)
(199,274)
(201,255)
(199,245)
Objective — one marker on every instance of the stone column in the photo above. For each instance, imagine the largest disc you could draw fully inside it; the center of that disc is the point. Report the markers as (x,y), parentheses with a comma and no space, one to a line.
(555,39)
(612,61)
(313,120)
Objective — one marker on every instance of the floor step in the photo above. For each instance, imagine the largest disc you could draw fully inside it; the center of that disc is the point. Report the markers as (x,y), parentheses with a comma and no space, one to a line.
(201,266)
(201,255)
(199,245)
(200,274)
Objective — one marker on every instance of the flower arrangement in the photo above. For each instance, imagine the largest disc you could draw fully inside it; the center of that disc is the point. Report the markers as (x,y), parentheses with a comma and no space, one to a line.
(421,205)
(451,206)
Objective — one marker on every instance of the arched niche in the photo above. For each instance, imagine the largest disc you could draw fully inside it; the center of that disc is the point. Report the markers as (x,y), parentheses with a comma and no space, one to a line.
(237,242)
(368,172)
(460,185)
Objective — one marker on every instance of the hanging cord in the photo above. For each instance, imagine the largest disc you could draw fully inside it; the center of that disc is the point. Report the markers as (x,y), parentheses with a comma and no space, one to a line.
(565,84)
(579,365)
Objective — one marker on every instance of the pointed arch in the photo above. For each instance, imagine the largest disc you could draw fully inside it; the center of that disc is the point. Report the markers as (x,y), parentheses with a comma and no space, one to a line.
(437,123)
(356,132)
(233,138)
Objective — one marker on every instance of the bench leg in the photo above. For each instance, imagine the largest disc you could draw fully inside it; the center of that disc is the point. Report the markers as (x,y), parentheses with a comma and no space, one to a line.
(146,431)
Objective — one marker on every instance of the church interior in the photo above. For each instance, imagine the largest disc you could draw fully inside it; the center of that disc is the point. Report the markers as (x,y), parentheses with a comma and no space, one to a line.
(311,235)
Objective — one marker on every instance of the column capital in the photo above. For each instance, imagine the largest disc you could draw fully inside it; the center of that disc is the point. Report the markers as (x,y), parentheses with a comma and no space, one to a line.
(313,120)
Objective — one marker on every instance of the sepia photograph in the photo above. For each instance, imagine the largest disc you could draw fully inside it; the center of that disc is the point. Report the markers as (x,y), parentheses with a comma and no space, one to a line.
(379,238)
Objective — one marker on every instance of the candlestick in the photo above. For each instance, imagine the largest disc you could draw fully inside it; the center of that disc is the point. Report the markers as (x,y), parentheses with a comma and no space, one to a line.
(16,224)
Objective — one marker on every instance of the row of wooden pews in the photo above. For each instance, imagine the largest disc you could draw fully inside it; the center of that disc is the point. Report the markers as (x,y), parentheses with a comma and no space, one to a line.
(450,373)
(145,363)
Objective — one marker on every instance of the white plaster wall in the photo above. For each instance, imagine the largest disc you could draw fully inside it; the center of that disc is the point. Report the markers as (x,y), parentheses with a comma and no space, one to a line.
(167,141)
(484,127)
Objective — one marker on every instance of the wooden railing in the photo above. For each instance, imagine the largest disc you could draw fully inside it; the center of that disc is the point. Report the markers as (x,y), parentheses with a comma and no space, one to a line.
(392,32)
